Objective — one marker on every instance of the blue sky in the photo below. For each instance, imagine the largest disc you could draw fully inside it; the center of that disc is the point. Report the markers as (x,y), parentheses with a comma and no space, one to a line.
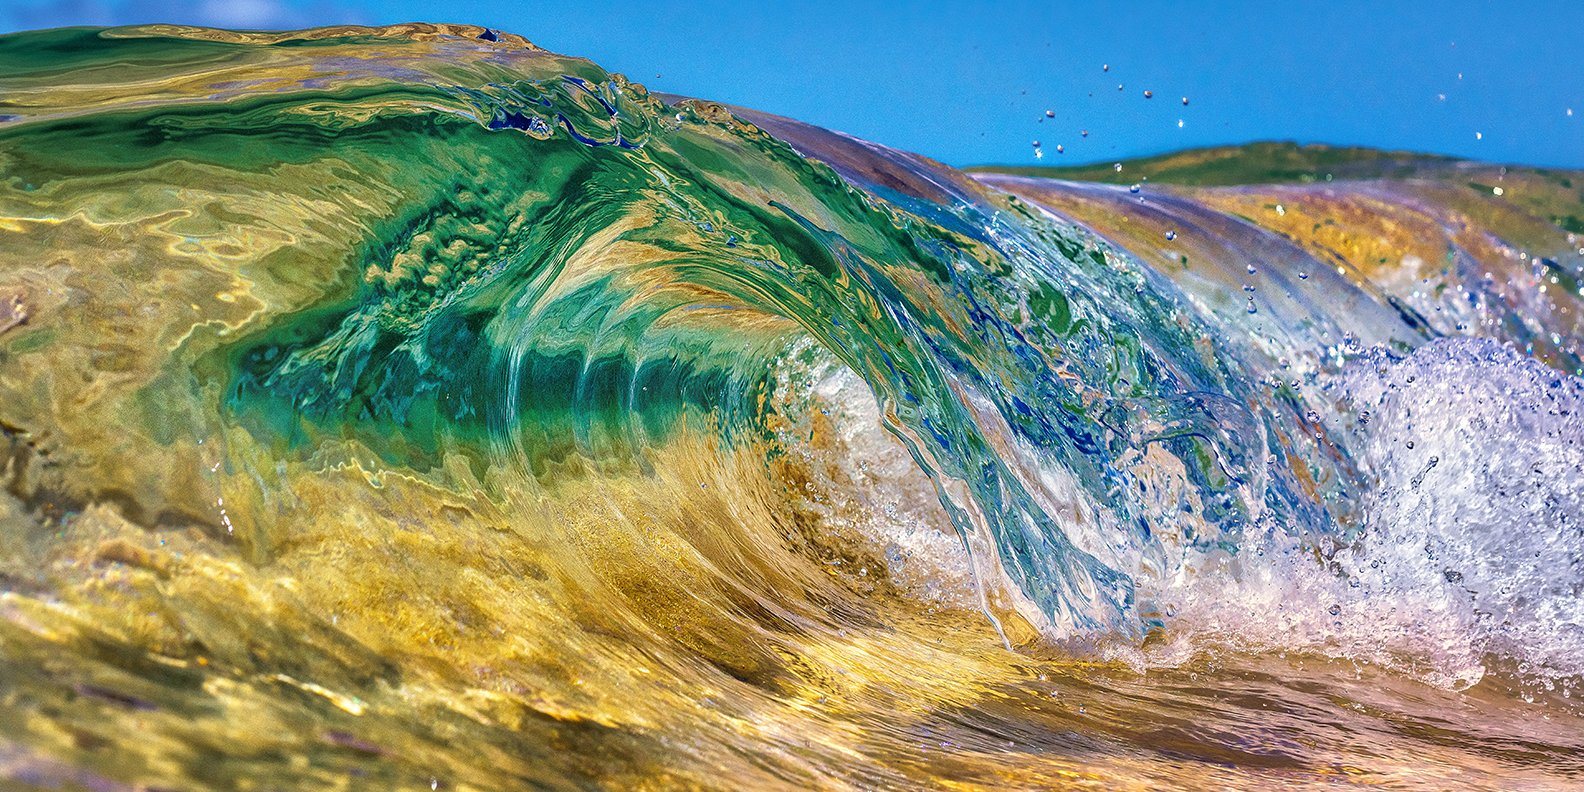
(970,82)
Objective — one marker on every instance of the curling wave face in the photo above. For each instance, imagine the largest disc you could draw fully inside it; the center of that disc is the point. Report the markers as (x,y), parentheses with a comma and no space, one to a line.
(373,393)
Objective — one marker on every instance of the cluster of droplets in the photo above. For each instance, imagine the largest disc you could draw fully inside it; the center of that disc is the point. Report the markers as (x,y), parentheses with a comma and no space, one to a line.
(1050,114)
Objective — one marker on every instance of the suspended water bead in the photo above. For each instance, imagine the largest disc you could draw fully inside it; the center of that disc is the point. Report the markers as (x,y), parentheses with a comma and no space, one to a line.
(1179,123)
(1118,167)
(1185,101)
(1105,67)
(1496,191)
(1479,135)
(1251,306)
(1303,275)
(1036,144)
(1149,94)
(1083,133)
(1050,113)
(1060,148)
(1251,269)
(1134,188)
(1170,235)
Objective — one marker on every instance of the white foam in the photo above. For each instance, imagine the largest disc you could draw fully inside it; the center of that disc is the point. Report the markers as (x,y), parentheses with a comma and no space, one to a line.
(869,490)
(1472,547)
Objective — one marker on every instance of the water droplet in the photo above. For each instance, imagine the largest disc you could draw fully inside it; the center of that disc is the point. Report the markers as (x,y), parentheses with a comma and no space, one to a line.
(1083,132)
(1179,123)
(1060,148)
(1252,270)
(1118,167)
(1334,610)
(1134,188)
(1036,144)
(1303,275)
(1170,235)
(1479,135)
(1251,307)
(1149,94)
(1185,100)
(1105,67)
(1050,113)
(1496,191)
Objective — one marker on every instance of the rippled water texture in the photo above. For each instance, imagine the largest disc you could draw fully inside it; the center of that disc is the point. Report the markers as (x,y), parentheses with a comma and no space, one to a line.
(413,408)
